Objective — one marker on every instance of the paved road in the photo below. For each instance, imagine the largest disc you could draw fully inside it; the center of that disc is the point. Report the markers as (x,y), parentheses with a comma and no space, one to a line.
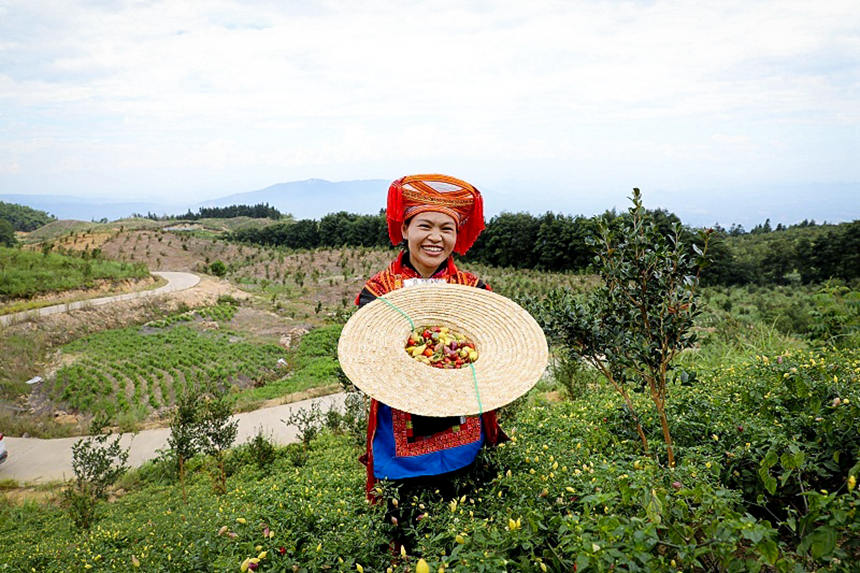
(176,281)
(34,460)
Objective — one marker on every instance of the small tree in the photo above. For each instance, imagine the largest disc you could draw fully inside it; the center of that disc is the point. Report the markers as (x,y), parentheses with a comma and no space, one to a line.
(7,234)
(183,439)
(217,433)
(633,326)
(218,268)
(97,462)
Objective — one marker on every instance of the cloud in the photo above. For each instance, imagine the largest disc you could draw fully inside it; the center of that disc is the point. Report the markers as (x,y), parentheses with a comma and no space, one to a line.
(660,91)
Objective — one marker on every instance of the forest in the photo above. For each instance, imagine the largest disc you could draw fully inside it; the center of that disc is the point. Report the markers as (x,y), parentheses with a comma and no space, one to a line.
(803,253)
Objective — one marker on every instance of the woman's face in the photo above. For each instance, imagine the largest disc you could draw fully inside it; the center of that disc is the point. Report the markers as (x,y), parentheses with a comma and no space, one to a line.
(430,237)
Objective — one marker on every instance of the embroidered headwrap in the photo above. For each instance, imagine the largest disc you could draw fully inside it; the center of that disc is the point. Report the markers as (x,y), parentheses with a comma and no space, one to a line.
(415,194)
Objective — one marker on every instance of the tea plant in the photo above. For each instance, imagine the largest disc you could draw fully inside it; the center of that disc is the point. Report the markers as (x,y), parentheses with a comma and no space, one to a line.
(632,327)
(158,365)
(97,462)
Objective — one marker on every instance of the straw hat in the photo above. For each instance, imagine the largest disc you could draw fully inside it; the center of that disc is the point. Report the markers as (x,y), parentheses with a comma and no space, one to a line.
(512,350)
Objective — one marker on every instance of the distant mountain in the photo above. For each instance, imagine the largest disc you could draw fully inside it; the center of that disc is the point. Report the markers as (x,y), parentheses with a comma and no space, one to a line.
(86,208)
(310,199)
(313,198)
(747,205)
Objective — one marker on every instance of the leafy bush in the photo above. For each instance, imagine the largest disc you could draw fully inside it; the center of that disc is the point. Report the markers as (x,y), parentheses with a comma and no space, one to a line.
(218,268)
(97,462)
(632,327)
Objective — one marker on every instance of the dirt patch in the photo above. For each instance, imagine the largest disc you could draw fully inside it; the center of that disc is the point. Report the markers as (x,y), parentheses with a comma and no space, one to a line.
(265,325)
(22,495)
(297,396)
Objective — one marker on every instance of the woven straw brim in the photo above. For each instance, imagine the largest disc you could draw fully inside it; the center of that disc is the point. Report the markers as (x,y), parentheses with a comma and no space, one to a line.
(512,350)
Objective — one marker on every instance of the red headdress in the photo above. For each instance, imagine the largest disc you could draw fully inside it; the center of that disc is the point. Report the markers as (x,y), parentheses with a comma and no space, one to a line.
(420,193)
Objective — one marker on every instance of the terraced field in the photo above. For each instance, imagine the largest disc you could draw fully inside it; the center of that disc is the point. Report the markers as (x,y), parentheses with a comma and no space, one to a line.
(139,370)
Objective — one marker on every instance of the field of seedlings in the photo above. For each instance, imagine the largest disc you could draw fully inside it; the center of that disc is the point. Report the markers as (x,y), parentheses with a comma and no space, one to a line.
(140,369)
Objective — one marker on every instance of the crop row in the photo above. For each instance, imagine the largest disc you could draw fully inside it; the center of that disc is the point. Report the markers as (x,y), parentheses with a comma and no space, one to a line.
(119,370)
(223,312)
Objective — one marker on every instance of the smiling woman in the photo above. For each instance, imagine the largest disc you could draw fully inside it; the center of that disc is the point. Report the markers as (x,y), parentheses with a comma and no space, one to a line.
(430,239)
(435,215)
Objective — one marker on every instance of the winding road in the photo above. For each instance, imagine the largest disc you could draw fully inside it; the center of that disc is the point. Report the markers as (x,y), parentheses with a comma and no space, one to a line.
(35,460)
(176,281)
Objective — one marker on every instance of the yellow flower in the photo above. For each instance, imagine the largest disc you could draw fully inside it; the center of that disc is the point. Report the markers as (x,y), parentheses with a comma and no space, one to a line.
(135,561)
(460,539)
(852,482)
(244,566)
(422,567)
(359,568)
(241,520)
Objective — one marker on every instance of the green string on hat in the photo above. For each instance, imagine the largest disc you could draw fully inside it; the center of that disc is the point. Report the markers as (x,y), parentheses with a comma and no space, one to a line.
(394,306)
(471,364)
(477,393)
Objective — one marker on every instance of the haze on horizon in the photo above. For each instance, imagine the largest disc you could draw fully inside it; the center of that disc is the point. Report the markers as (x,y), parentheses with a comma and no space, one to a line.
(716,110)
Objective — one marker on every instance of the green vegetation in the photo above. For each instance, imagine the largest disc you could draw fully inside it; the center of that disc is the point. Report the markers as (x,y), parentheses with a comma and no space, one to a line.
(312,364)
(631,327)
(133,370)
(97,461)
(7,234)
(130,372)
(761,405)
(763,480)
(806,253)
(25,274)
(553,242)
(23,218)
(258,211)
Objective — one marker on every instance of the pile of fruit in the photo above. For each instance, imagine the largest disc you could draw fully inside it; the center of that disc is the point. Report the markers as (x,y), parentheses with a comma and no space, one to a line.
(441,347)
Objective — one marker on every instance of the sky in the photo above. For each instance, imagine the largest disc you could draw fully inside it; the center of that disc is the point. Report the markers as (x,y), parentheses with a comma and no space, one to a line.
(728,111)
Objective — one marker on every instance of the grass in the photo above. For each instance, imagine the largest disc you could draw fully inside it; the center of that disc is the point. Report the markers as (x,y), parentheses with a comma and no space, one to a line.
(26,274)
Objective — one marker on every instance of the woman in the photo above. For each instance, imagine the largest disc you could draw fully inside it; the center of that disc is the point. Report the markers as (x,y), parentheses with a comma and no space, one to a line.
(435,215)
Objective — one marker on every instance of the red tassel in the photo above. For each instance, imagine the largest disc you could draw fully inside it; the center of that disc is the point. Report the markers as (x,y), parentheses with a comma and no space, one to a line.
(394,212)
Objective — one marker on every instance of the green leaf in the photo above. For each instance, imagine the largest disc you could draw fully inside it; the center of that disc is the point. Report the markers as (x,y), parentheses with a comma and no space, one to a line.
(755,534)
(768,550)
(823,541)
(654,509)
(770,484)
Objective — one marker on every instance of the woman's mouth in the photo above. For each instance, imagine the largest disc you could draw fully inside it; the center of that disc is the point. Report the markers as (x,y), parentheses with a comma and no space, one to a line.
(432,249)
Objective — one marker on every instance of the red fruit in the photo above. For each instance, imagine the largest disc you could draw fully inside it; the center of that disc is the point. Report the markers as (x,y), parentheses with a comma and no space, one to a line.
(282,550)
